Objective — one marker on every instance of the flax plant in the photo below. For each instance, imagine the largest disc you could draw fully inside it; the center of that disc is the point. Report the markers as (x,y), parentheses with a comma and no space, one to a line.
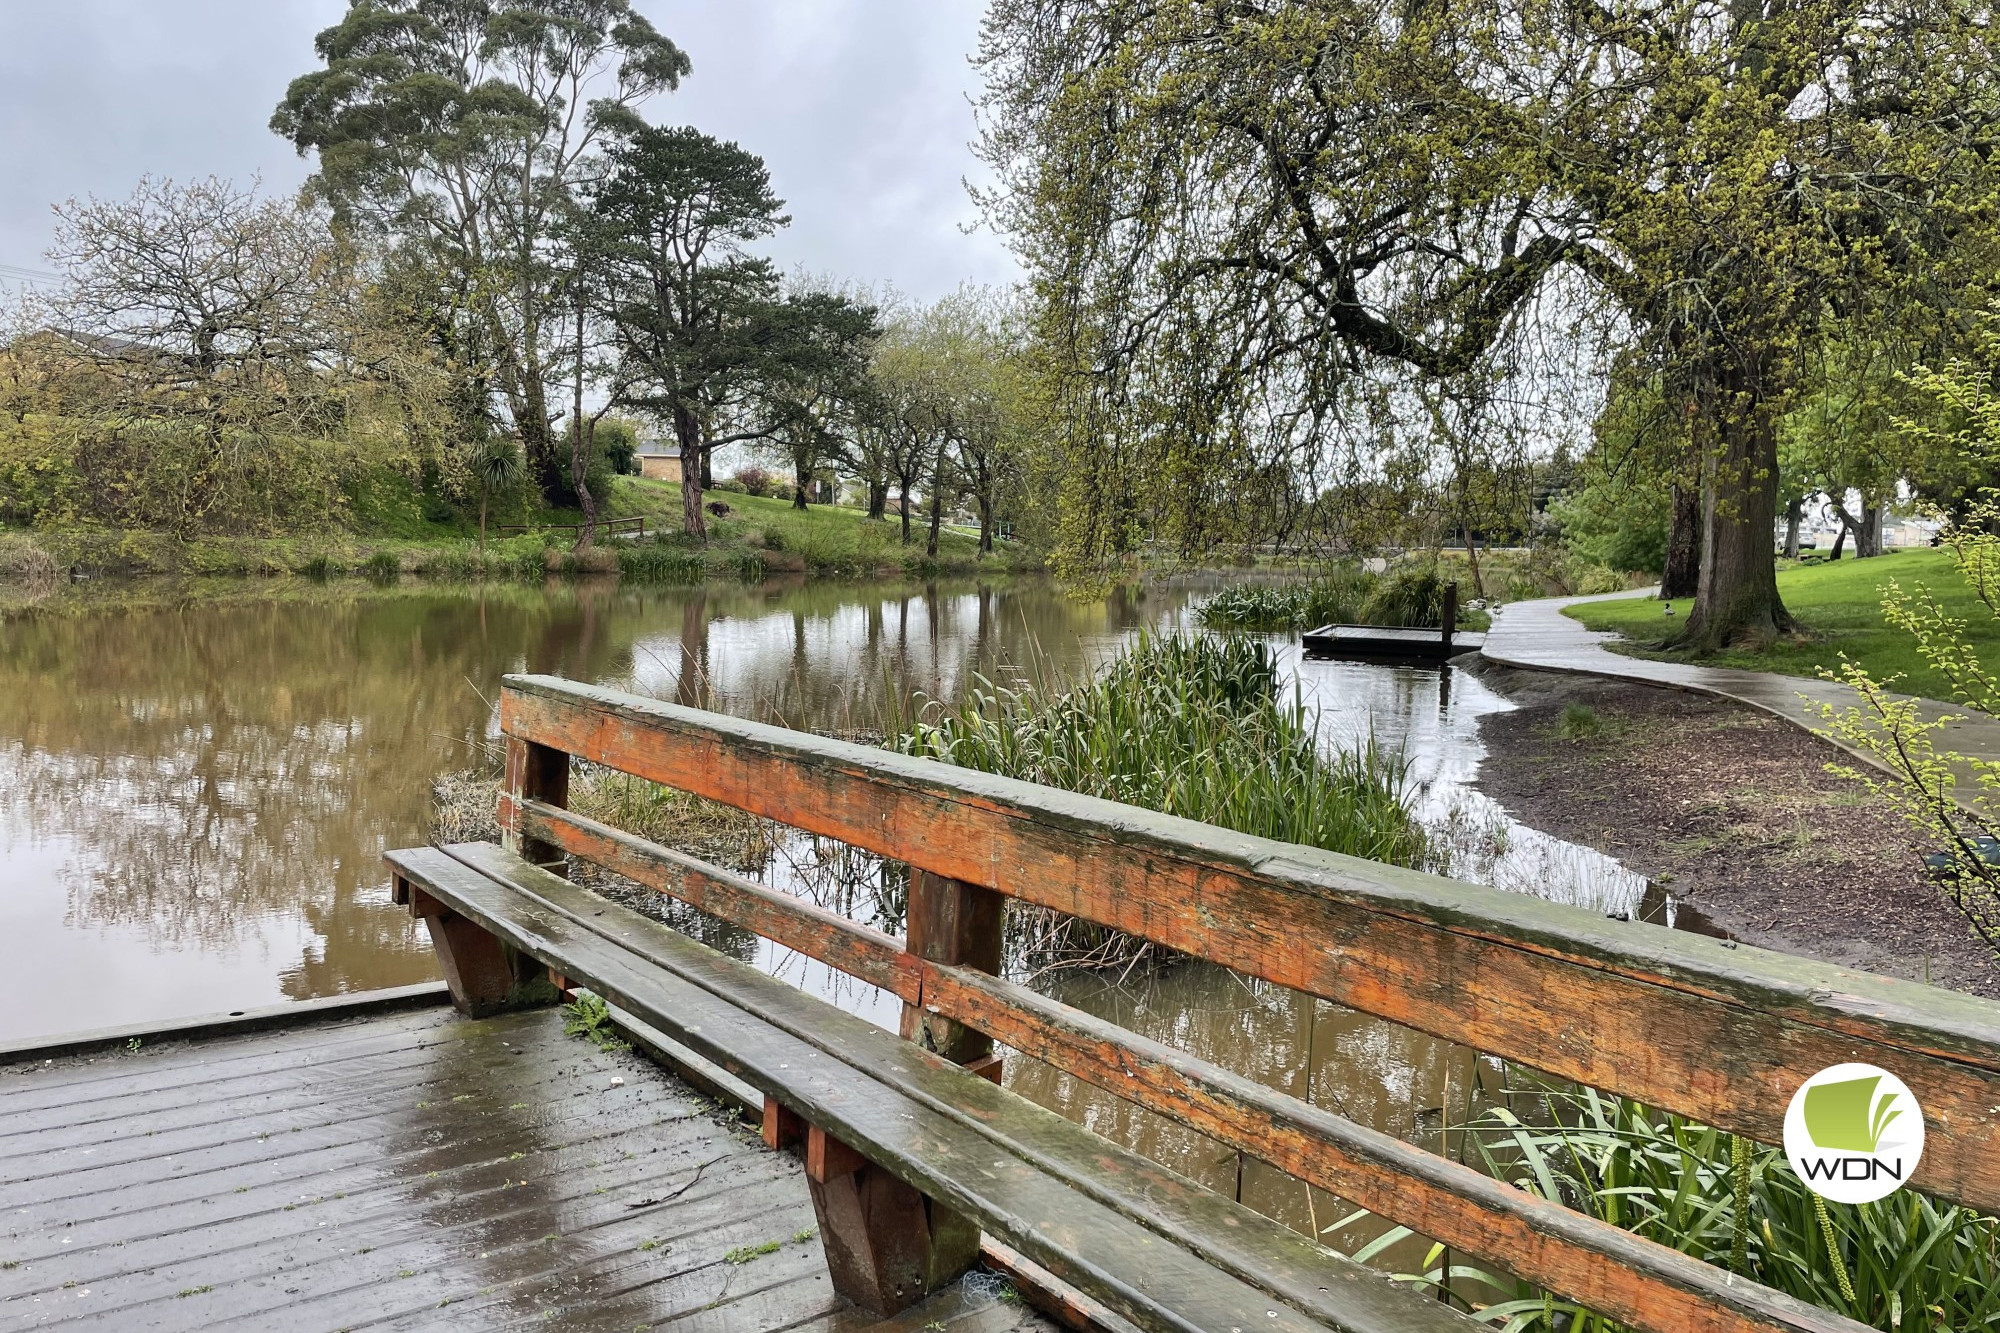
(1905,1263)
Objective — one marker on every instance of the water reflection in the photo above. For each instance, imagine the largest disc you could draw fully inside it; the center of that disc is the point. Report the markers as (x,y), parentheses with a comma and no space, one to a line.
(195,792)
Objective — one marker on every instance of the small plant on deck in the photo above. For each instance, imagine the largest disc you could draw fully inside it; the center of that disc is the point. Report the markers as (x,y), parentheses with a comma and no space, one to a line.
(589,1017)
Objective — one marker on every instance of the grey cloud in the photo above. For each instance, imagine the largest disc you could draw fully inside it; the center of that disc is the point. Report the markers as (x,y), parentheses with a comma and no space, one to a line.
(859,106)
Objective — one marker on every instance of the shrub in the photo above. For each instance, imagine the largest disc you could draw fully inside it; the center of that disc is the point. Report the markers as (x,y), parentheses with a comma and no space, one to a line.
(755,481)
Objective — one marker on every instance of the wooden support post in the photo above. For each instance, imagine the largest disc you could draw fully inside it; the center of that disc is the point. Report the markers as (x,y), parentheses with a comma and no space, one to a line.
(1450,612)
(782,1128)
(534,772)
(887,1246)
(951,921)
(485,975)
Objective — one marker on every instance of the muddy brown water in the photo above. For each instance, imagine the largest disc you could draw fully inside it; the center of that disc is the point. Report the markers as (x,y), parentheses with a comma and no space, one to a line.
(196,787)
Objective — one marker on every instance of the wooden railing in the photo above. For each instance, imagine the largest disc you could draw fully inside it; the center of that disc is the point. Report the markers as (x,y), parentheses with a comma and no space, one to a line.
(1721,1033)
(610,527)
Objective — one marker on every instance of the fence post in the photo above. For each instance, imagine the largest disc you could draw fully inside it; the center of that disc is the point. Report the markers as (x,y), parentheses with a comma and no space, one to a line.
(950,921)
(534,772)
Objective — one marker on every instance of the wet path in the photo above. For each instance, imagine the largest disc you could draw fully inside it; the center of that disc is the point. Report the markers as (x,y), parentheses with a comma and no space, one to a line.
(1537,635)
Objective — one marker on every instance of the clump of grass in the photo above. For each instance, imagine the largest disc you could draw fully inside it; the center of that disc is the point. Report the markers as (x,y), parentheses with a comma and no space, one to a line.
(1579,722)
(744,1254)
(1906,1262)
(383,566)
(660,563)
(1343,594)
(1186,726)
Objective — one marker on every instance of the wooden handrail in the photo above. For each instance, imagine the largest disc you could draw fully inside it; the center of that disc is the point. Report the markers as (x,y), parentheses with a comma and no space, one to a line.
(1720,1033)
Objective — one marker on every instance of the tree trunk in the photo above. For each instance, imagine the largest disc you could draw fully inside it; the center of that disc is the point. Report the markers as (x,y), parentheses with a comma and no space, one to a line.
(903,503)
(1839,542)
(1736,599)
(707,467)
(482,522)
(1681,576)
(581,442)
(1795,509)
(801,483)
(878,499)
(694,463)
(937,504)
(985,523)
(1868,537)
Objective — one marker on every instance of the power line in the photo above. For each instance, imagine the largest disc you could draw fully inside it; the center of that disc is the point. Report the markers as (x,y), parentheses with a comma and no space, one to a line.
(27,274)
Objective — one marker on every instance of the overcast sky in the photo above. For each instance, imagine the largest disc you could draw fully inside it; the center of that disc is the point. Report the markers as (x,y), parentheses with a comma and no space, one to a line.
(859,107)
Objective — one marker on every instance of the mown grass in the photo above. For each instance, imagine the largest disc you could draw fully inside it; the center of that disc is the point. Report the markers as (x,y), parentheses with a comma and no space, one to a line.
(1188,726)
(1839,606)
(1904,1263)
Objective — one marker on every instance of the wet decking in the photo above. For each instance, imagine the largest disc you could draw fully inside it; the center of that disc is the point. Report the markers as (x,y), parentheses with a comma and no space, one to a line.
(410,1171)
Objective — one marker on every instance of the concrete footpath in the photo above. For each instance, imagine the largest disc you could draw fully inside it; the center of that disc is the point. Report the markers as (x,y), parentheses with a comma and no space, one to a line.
(1538,636)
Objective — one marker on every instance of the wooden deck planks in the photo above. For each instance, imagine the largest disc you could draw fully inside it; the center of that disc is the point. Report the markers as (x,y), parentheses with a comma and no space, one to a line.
(406,1171)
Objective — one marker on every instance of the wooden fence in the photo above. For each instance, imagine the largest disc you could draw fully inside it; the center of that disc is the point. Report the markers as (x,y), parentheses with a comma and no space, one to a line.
(1721,1033)
(609,527)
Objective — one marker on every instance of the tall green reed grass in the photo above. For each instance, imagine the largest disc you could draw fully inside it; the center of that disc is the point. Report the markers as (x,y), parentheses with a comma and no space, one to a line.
(1189,726)
(1344,594)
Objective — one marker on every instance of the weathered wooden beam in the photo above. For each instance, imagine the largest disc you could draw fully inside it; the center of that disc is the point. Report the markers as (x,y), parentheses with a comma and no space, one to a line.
(1612,1271)
(1722,1034)
(534,773)
(485,975)
(858,950)
(952,922)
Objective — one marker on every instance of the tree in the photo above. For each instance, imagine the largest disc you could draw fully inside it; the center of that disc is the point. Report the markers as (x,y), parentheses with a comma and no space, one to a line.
(806,396)
(693,312)
(206,340)
(497,467)
(1237,215)
(465,127)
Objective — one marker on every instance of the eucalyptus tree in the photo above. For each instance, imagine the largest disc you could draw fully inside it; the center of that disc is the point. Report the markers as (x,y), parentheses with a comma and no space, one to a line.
(1236,212)
(464,127)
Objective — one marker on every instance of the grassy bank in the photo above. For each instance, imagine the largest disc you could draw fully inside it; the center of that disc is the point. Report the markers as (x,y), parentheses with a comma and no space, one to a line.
(757,536)
(1839,606)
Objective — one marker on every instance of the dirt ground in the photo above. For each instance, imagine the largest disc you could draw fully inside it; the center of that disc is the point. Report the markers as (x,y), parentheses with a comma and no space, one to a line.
(1733,813)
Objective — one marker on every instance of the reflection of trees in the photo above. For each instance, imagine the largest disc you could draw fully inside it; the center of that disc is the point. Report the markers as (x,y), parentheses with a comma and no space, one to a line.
(217,768)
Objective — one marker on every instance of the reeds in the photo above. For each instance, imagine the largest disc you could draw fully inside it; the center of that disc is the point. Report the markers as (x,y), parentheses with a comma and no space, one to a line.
(1344,594)
(1187,726)
(1906,1263)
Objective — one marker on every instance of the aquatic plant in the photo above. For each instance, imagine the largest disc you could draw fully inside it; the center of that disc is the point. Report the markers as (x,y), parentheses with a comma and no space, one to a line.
(1905,1263)
(659,562)
(1343,594)
(1189,726)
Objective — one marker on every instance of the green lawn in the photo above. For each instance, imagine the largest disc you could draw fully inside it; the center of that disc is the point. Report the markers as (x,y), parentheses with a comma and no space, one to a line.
(1840,606)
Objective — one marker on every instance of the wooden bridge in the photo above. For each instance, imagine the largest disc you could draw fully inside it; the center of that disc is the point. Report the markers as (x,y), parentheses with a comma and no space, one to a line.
(918,1164)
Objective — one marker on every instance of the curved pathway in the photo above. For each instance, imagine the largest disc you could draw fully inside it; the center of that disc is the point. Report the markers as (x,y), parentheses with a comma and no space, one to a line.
(1537,635)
